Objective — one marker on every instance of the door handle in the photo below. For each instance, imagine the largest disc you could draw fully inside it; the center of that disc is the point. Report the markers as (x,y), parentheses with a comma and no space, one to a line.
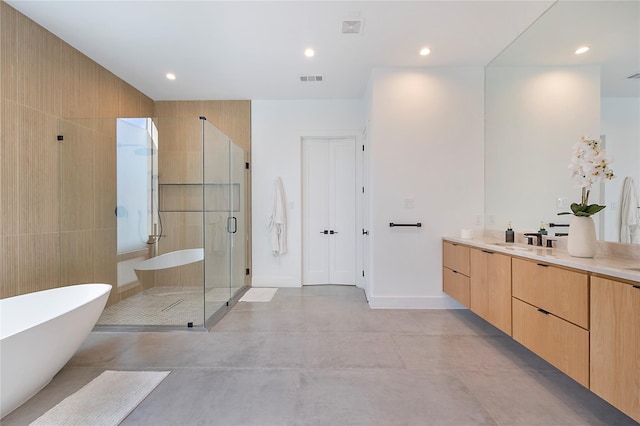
(333,232)
(325,232)
(234,229)
(365,232)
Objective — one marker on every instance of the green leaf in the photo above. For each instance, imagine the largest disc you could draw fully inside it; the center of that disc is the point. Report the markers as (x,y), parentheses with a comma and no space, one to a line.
(594,208)
(583,210)
(576,208)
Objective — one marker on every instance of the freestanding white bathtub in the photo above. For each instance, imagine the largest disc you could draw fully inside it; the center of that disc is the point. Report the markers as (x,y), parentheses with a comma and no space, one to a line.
(39,333)
(171,259)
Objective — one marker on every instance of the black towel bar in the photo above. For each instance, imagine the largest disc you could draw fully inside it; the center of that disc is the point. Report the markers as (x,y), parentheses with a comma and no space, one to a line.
(551,225)
(417,225)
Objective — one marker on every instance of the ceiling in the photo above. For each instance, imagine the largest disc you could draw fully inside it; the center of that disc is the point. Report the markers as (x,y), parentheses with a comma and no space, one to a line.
(610,28)
(254,49)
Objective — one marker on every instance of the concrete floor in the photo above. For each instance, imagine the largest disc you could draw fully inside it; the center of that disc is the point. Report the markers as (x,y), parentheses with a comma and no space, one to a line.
(320,356)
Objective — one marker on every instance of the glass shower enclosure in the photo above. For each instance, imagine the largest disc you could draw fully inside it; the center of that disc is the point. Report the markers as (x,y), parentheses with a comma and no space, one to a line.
(155,207)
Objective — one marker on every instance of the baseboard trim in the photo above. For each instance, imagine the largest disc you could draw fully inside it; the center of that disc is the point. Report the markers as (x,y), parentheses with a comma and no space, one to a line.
(428,302)
(280,282)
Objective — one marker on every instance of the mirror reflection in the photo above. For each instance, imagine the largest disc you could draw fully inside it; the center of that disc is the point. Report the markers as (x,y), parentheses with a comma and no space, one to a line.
(542,97)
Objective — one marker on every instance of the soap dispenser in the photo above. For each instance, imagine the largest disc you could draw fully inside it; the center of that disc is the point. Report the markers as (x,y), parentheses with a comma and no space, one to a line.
(509,235)
(542,230)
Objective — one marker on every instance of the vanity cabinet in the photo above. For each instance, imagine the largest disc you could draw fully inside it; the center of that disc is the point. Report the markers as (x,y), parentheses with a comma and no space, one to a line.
(615,343)
(490,287)
(551,315)
(585,324)
(562,292)
(455,271)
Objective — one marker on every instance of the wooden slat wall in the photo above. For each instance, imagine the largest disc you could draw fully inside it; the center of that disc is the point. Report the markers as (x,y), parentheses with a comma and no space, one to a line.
(43,79)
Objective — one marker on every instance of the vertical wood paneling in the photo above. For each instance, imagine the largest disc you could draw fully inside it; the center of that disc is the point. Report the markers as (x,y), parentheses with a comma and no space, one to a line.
(38,262)
(9,267)
(77,248)
(43,80)
(9,213)
(133,103)
(105,256)
(232,117)
(105,180)
(107,90)
(39,67)
(146,106)
(8,53)
(37,172)
(79,90)
(77,195)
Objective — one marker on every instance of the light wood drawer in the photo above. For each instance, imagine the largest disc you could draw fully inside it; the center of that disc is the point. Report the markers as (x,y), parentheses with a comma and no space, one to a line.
(559,342)
(456,285)
(559,291)
(455,257)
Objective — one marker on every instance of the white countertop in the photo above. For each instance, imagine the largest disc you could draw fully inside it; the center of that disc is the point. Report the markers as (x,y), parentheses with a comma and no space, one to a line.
(618,267)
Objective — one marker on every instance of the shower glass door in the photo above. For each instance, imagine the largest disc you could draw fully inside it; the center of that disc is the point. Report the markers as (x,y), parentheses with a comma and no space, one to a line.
(218,202)
(237,169)
(224,221)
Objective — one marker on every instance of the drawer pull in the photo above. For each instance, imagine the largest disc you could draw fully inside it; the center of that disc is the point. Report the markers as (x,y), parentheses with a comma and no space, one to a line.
(488,252)
(454,271)
(543,265)
(542,311)
(637,286)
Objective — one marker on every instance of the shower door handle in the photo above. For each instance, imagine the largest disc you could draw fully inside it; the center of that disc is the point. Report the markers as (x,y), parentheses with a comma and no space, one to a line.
(234,221)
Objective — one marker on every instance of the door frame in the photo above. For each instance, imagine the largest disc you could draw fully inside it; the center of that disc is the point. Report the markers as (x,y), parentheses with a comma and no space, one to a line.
(358,136)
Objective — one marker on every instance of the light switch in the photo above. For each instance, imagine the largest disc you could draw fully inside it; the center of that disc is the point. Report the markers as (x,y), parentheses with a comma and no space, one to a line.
(409,203)
(562,203)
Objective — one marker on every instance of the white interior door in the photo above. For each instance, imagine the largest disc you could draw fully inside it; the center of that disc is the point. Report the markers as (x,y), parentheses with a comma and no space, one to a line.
(329,204)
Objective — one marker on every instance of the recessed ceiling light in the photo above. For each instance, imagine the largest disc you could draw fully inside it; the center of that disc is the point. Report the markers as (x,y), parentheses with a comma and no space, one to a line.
(309,53)
(171,76)
(425,51)
(582,49)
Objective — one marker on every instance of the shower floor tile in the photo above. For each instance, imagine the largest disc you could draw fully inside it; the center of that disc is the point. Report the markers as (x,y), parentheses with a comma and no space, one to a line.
(165,306)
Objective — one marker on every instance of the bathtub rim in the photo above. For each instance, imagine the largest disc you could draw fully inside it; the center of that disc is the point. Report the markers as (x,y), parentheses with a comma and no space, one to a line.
(105,289)
(193,255)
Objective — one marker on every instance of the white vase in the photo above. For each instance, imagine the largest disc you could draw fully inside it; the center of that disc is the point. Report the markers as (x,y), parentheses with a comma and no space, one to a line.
(582,237)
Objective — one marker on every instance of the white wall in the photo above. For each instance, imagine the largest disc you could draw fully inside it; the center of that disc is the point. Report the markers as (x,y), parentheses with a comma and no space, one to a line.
(277,127)
(534,117)
(621,126)
(426,138)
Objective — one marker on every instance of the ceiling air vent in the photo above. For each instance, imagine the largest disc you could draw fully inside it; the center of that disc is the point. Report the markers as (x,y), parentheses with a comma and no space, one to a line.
(352,26)
(636,75)
(311,78)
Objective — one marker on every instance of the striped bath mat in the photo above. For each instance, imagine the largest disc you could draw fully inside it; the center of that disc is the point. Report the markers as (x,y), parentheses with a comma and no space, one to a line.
(104,401)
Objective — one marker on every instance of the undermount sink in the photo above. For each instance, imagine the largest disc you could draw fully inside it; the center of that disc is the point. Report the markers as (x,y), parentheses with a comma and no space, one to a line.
(633,269)
(512,246)
(518,248)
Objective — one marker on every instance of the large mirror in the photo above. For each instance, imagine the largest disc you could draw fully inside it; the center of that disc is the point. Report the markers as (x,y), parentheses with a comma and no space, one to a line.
(541,97)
